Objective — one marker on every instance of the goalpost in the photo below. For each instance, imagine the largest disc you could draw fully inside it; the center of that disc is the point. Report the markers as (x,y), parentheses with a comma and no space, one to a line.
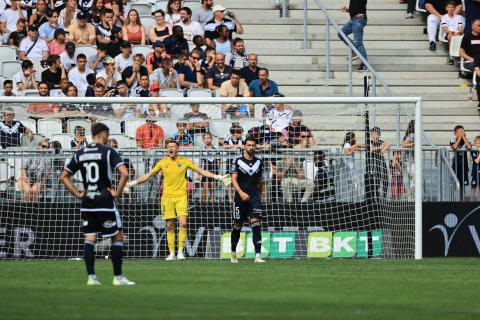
(319,202)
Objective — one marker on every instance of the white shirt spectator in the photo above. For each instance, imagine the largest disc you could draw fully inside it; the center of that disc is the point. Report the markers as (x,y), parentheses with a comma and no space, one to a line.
(10,18)
(202,16)
(20,78)
(172,19)
(191,30)
(279,120)
(79,79)
(66,60)
(122,63)
(163,80)
(349,157)
(132,109)
(452,23)
(116,75)
(36,54)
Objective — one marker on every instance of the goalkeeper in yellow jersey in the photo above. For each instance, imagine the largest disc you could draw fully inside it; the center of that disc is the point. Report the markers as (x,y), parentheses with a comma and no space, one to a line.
(174,202)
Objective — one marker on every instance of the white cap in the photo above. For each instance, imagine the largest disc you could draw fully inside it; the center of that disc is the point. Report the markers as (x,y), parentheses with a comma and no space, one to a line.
(218,7)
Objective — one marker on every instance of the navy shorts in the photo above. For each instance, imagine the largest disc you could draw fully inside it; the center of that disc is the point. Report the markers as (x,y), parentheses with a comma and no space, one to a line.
(244,210)
(475,175)
(108,223)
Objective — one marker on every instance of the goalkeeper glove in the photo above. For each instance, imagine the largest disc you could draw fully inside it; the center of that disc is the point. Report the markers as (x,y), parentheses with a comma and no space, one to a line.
(226,180)
(129,186)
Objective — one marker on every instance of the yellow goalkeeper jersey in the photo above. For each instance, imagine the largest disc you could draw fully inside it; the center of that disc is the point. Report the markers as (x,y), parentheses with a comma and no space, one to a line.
(174,173)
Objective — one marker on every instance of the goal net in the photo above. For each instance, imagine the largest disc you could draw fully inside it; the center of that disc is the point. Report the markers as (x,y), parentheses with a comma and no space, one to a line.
(339,175)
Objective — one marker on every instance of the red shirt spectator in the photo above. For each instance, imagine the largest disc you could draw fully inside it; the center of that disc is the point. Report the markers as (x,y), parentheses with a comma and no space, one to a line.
(149,135)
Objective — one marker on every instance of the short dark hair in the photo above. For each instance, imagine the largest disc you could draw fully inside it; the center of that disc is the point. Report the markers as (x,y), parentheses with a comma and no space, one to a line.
(451,3)
(58,32)
(91,79)
(236,72)
(176,27)
(52,59)
(98,128)
(159,11)
(171,141)
(187,10)
(458,127)
(78,128)
(250,138)
(121,83)
(26,64)
(81,56)
(264,69)
(377,130)
(237,40)
(51,12)
(7,82)
(106,10)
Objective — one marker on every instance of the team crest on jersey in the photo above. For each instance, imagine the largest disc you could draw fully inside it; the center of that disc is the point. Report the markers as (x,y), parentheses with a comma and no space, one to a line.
(108,224)
(179,165)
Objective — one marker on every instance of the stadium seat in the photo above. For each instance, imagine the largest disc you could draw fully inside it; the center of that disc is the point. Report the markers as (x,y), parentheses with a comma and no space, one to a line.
(82,92)
(85,123)
(4,177)
(47,127)
(88,51)
(161,4)
(173,93)
(194,92)
(10,68)
(65,140)
(169,127)
(194,5)
(144,8)
(145,50)
(220,128)
(2,79)
(30,124)
(420,6)
(124,141)
(30,93)
(247,124)
(213,111)
(178,110)
(8,53)
(441,35)
(455,46)
(131,126)
(147,22)
(114,125)
(259,111)
(463,70)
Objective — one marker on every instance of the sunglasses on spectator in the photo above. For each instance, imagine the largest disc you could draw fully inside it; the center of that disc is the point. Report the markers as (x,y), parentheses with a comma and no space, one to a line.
(305,137)
(195,57)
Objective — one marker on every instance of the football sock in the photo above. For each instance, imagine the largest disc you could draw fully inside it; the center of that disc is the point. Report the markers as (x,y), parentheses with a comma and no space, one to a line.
(182,237)
(257,236)
(235,237)
(171,241)
(117,252)
(89,256)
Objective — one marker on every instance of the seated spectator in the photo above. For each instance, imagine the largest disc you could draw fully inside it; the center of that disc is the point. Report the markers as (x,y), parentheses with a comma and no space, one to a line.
(209,61)
(62,86)
(132,74)
(219,73)
(35,172)
(397,189)
(436,10)
(57,46)
(235,88)
(279,118)
(68,57)
(160,29)
(292,175)
(78,75)
(155,58)
(322,178)
(19,34)
(197,121)
(470,46)
(264,137)
(204,13)
(142,89)
(28,78)
(176,43)
(96,62)
(199,45)
(149,135)
(31,140)
(132,29)
(222,43)
(157,110)
(190,75)
(182,60)
(219,19)
(43,108)
(211,164)
(250,72)
(11,130)
(173,12)
(47,29)
(10,16)
(110,75)
(127,111)
(92,80)
(238,57)
(54,73)
(103,29)
(81,32)
(99,109)
(69,15)
(452,23)
(114,48)
(124,59)
(460,144)
(80,139)
(71,91)
(183,138)
(166,76)
(32,48)
(263,87)
(39,17)
(293,131)
(190,28)
(95,10)
(8,89)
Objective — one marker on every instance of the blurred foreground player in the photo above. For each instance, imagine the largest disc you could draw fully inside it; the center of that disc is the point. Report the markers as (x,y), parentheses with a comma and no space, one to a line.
(96,163)
(247,172)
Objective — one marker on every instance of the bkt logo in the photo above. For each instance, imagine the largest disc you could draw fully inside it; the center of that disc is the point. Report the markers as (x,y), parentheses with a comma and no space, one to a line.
(452,227)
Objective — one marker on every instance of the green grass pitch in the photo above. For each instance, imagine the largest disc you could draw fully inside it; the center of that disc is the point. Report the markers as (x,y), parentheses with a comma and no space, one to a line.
(278,289)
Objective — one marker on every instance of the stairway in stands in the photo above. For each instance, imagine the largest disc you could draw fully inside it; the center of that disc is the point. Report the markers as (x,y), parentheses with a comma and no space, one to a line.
(397,49)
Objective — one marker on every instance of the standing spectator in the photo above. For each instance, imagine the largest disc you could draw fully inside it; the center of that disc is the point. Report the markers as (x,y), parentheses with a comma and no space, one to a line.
(408,142)
(219,19)
(250,72)
(322,178)
(350,146)
(124,59)
(222,43)
(377,174)
(279,117)
(212,164)
(96,62)
(234,88)
(173,12)
(104,29)
(263,87)
(109,73)
(160,29)
(149,135)
(133,73)
(69,15)
(132,30)
(47,30)
(11,130)
(291,174)
(397,188)
(142,89)
(460,144)
(204,13)
(166,76)
(40,16)
(176,43)
(452,23)
(238,58)
(436,9)
(358,20)
(470,46)
(43,108)
(28,78)
(57,46)
(8,89)
(183,138)
(78,75)
(155,58)
(190,28)
(68,57)
(293,131)
(19,34)
(81,32)
(154,109)
(127,111)
(197,121)
(10,16)
(190,75)
(80,139)
(219,73)
(54,73)
(33,48)
(475,153)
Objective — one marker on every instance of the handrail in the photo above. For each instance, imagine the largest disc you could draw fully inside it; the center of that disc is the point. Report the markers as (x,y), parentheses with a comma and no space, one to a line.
(450,171)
